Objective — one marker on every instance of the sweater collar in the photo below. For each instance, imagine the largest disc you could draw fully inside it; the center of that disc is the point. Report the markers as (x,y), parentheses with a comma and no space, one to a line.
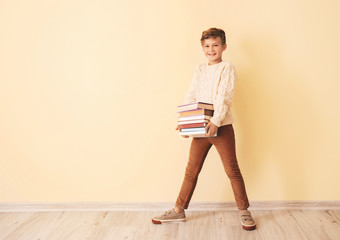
(214,65)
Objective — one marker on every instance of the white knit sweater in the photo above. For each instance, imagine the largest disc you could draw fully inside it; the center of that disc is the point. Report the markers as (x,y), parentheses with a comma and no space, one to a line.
(214,84)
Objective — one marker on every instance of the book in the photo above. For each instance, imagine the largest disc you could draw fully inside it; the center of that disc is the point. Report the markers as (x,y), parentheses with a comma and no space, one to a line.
(193,121)
(193,118)
(199,111)
(197,134)
(195,129)
(191,106)
(191,125)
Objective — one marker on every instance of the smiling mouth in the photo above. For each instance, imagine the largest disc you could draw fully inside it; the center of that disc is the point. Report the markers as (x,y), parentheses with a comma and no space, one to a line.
(212,54)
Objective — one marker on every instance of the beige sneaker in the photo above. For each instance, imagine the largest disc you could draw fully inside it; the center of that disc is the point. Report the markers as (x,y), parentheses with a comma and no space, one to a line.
(169,216)
(247,221)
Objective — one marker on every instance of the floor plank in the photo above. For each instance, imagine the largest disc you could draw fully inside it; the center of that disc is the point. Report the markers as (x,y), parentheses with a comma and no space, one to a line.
(136,225)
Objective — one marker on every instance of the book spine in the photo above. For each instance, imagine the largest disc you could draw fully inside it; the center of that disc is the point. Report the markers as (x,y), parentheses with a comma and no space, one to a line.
(196,117)
(198,111)
(201,129)
(191,106)
(192,125)
(193,121)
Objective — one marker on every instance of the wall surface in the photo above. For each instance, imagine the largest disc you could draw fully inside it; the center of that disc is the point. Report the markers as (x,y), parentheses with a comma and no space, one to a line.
(89,89)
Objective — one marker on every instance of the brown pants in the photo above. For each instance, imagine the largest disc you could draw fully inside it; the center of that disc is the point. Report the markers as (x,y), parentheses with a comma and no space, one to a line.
(225,145)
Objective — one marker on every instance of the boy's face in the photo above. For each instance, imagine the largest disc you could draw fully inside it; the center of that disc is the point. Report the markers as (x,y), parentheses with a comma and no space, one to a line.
(213,49)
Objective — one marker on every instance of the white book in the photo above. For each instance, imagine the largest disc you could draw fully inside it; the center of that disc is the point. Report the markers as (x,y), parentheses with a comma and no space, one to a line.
(194,129)
(192,121)
(196,134)
(200,116)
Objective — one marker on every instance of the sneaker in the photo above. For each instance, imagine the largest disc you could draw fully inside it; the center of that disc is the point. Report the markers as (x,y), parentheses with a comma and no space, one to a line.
(169,216)
(247,221)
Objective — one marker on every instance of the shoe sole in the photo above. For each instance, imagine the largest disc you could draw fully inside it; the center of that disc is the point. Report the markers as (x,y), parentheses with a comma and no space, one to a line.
(249,228)
(168,221)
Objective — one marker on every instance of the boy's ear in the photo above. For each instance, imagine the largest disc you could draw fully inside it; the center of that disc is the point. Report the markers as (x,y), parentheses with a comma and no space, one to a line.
(224,46)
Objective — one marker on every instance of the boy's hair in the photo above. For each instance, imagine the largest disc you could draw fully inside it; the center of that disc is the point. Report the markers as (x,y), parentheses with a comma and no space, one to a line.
(213,32)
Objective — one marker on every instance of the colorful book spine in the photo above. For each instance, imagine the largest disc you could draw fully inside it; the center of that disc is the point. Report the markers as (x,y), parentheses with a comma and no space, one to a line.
(193,118)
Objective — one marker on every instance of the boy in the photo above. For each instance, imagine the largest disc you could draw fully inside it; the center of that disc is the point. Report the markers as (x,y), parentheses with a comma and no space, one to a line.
(213,82)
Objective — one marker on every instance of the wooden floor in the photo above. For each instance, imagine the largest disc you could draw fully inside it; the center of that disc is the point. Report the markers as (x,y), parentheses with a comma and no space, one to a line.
(200,225)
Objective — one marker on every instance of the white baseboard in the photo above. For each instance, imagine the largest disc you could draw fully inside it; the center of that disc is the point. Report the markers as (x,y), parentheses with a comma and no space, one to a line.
(161,206)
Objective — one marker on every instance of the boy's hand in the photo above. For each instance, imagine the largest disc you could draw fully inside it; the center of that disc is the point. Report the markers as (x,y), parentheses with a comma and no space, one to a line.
(185,136)
(211,129)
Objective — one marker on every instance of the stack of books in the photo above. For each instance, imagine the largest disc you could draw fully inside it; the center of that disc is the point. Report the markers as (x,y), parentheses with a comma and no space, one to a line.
(193,118)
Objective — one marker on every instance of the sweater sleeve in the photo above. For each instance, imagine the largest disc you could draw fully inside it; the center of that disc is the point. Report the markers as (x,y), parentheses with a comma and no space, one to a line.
(225,91)
(190,96)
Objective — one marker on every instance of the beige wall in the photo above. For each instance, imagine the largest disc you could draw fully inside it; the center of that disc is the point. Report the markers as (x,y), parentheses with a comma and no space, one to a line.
(89,89)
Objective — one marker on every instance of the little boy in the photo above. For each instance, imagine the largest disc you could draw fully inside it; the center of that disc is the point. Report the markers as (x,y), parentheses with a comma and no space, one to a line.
(213,82)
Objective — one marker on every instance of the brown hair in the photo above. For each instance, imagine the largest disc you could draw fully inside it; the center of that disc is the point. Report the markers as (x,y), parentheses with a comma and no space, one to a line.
(213,32)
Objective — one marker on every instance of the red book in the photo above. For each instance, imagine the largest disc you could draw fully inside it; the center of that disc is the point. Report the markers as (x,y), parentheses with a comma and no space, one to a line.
(203,124)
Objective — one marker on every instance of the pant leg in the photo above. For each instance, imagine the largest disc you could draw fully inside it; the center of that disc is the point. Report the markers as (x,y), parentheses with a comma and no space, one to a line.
(198,151)
(225,145)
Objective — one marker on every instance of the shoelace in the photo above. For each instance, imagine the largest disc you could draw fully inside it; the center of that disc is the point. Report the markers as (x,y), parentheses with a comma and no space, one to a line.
(246,218)
(167,213)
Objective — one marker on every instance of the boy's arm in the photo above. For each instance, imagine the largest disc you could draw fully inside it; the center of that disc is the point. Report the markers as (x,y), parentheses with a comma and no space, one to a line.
(190,96)
(224,95)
